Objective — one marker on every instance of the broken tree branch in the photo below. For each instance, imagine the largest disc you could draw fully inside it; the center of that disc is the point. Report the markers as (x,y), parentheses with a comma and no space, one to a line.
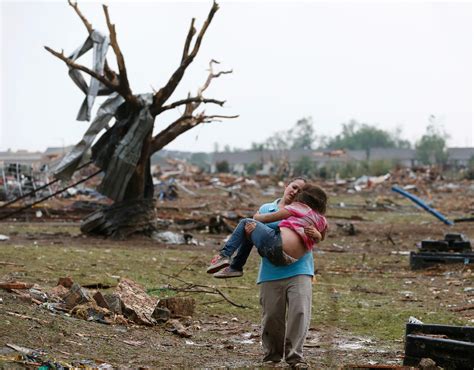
(181,125)
(189,37)
(126,92)
(188,120)
(79,13)
(111,75)
(197,44)
(211,76)
(84,69)
(165,92)
(196,99)
(191,288)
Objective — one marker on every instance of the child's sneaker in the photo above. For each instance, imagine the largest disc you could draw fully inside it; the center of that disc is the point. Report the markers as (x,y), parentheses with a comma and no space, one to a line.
(218,263)
(228,272)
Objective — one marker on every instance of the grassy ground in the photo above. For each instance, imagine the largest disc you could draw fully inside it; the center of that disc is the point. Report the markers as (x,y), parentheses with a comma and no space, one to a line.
(363,294)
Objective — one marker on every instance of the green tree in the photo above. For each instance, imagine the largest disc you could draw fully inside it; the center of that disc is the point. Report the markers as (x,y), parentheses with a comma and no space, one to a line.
(280,140)
(399,142)
(304,167)
(252,168)
(357,136)
(303,134)
(201,160)
(257,147)
(380,167)
(222,167)
(470,169)
(431,148)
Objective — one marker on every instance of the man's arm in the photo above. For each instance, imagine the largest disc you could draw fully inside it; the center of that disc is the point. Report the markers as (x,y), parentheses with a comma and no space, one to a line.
(272,217)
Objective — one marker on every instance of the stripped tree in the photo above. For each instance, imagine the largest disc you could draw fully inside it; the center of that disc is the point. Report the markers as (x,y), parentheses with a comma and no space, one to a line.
(122,152)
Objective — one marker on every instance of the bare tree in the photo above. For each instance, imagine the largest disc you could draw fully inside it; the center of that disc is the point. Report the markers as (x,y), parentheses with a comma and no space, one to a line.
(123,151)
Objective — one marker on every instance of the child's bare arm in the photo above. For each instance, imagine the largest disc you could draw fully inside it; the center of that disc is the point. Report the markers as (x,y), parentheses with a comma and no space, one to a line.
(272,217)
(323,233)
(313,233)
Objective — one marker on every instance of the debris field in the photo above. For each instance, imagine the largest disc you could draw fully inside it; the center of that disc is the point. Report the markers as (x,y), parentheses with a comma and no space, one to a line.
(70,299)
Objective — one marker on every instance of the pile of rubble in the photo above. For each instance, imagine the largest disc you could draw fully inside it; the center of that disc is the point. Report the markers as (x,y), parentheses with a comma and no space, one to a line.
(128,304)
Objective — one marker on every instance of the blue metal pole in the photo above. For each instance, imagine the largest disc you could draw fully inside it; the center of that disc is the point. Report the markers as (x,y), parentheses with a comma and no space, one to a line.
(422,204)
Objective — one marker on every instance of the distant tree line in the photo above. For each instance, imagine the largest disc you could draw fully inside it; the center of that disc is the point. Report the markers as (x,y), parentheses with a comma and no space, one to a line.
(430,148)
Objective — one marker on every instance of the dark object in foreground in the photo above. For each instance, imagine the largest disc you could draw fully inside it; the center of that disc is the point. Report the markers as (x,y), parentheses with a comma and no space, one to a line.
(452,242)
(423,260)
(464,219)
(451,347)
(454,248)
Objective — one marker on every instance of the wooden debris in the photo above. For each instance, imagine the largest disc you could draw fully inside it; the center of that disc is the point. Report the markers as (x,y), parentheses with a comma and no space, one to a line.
(114,303)
(178,306)
(100,300)
(76,296)
(26,317)
(59,292)
(66,282)
(347,227)
(463,308)
(176,327)
(26,351)
(14,285)
(161,314)
(138,306)
(217,225)
(197,288)
(3,263)
(135,343)
(92,312)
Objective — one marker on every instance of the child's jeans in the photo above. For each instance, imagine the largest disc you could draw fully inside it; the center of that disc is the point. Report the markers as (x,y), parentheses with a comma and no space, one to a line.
(267,241)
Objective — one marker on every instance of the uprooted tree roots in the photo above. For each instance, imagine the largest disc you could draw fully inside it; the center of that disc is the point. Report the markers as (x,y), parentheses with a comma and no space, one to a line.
(122,219)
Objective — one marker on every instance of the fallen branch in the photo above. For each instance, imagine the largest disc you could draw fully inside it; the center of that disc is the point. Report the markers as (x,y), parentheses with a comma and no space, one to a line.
(15,285)
(194,288)
(26,317)
(185,267)
(11,264)
(463,308)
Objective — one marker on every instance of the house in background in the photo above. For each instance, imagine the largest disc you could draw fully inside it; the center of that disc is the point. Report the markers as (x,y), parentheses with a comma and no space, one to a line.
(21,157)
(460,157)
(265,161)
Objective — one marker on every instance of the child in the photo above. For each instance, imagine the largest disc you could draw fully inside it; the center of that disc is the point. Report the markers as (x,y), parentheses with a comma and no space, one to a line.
(286,244)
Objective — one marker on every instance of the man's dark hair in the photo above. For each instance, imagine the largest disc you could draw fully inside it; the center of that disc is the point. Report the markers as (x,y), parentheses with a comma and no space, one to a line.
(314,197)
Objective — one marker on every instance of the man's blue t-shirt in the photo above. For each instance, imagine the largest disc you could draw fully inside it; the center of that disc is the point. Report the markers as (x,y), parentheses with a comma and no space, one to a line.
(268,271)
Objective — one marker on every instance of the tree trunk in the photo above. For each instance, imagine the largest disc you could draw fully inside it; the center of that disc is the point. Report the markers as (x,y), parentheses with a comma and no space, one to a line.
(136,214)
(122,219)
(141,183)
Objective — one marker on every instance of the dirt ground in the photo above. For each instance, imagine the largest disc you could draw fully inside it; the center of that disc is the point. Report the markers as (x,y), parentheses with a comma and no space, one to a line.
(364,290)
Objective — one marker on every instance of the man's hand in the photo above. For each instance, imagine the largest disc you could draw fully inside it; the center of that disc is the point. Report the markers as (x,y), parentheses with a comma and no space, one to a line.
(314,234)
(249,228)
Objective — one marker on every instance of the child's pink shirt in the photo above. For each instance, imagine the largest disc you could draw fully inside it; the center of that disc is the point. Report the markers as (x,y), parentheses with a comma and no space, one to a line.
(302,216)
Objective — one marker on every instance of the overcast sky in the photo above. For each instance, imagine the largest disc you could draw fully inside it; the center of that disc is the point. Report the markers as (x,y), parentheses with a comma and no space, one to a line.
(389,64)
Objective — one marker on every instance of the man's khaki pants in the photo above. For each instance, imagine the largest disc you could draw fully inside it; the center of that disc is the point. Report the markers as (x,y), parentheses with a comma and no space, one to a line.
(286,317)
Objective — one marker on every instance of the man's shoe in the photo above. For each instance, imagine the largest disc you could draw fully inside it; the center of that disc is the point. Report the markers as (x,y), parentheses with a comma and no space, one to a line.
(228,272)
(218,263)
